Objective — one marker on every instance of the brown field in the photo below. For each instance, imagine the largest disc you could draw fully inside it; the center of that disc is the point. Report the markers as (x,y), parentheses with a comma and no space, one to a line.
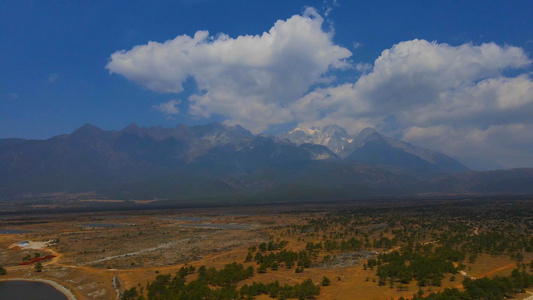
(92,249)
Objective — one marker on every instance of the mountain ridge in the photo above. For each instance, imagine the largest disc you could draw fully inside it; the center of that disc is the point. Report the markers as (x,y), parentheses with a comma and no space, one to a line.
(344,145)
(215,160)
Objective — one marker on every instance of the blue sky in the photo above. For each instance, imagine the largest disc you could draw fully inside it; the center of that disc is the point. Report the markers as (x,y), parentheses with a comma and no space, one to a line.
(448,75)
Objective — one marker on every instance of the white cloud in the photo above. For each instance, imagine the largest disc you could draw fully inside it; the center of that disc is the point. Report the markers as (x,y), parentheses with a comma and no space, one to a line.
(506,145)
(363,67)
(458,97)
(357,45)
(454,98)
(418,72)
(169,108)
(328,6)
(249,79)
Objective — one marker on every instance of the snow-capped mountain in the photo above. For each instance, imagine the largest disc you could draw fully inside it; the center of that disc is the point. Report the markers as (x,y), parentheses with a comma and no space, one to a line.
(370,147)
(334,137)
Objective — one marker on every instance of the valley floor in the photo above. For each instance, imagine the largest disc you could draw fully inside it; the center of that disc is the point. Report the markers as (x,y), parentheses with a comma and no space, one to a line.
(99,255)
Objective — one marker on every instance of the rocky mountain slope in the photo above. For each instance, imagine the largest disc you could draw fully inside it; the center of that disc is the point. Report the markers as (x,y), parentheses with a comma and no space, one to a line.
(370,147)
(228,162)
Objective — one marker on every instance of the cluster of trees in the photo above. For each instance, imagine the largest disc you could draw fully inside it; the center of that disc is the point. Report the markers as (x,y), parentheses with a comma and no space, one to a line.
(3,271)
(430,238)
(496,288)
(286,258)
(312,246)
(166,287)
(275,290)
(352,244)
(184,271)
(332,221)
(270,246)
(497,242)
(229,275)
(428,268)
(217,284)
(385,242)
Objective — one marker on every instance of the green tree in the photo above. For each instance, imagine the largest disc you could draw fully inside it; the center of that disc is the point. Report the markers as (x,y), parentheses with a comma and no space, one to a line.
(130,294)
(249,257)
(325,281)
(39,267)
(3,271)
(262,268)
(274,267)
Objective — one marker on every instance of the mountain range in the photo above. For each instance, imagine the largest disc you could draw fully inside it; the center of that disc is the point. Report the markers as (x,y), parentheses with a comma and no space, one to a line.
(221,162)
(370,147)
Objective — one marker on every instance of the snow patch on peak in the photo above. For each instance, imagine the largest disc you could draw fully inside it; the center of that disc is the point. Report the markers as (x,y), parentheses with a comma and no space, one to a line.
(333,136)
(304,130)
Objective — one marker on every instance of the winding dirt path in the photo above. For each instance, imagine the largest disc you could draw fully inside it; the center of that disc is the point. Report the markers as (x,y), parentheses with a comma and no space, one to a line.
(494,271)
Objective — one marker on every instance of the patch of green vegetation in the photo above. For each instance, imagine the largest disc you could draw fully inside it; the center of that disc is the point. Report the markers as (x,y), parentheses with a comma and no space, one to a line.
(218,284)
(496,288)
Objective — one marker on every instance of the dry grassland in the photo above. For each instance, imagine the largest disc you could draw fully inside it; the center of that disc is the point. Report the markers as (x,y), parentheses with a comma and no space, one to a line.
(134,247)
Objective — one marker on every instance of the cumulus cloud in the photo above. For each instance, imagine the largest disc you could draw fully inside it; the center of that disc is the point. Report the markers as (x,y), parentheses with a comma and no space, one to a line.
(363,67)
(456,99)
(169,108)
(251,80)
(497,146)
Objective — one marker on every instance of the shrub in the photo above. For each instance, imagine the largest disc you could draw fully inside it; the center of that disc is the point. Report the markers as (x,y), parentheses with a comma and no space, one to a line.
(326,281)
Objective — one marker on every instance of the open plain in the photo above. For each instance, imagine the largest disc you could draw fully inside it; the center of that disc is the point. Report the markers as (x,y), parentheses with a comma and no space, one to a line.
(100,255)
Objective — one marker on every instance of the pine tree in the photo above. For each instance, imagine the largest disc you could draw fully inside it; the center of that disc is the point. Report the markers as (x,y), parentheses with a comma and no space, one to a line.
(39,267)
